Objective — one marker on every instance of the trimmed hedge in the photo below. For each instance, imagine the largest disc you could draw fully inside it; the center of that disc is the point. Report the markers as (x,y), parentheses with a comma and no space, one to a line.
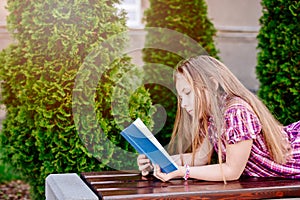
(188,18)
(278,67)
(52,99)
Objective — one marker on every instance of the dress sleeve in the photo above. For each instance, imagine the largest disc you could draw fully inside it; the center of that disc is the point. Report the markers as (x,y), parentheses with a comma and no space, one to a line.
(240,124)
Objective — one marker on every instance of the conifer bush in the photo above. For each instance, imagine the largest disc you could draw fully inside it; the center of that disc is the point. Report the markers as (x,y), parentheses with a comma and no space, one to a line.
(278,68)
(185,17)
(49,126)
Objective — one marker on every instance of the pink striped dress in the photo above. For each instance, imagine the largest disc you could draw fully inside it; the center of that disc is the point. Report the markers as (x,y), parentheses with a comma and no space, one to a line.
(241,123)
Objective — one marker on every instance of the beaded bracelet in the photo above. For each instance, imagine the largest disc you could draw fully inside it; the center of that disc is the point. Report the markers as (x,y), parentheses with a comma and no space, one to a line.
(187,172)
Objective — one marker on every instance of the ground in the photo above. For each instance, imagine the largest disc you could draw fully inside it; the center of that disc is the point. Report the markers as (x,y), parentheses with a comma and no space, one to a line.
(14,190)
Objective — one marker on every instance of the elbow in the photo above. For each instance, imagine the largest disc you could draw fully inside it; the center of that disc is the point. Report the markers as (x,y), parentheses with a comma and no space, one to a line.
(233,178)
(233,175)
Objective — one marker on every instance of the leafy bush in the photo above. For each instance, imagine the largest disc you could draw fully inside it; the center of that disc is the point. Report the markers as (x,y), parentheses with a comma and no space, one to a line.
(7,173)
(278,67)
(188,18)
(46,90)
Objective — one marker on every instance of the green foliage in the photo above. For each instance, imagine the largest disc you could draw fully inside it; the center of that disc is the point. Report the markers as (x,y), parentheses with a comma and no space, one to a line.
(40,75)
(278,67)
(188,18)
(7,172)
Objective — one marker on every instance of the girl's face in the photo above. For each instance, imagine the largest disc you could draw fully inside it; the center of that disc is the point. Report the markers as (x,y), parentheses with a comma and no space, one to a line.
(186,94)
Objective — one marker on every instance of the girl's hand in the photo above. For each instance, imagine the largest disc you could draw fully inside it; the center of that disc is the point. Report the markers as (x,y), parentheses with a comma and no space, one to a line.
(144,164)
(166,177)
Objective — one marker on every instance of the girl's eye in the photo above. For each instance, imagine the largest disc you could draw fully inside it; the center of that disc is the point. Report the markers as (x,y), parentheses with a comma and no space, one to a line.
(187,93)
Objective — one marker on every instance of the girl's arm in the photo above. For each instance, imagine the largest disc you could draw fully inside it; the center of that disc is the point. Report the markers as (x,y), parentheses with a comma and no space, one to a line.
(202,156)
(236,159)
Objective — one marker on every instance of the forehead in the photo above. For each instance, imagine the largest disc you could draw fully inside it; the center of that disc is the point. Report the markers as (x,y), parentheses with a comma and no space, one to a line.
(181,83)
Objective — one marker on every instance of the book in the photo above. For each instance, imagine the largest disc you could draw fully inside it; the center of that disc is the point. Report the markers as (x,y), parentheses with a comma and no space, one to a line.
(141,138)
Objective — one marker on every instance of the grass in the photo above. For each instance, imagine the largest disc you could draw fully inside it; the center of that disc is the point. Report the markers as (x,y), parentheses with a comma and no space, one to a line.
(7,173)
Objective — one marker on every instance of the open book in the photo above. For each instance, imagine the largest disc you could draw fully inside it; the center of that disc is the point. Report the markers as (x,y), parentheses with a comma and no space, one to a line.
(141,138)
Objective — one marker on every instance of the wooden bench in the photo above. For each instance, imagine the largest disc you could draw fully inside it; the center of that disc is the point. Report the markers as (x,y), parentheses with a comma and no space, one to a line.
(131,185)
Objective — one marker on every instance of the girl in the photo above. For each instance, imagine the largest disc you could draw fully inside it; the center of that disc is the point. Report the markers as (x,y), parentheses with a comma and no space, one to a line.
(215,109)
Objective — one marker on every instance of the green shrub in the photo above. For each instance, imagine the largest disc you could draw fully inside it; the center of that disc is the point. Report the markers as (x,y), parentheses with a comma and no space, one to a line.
(44,88)
(278,67)
(188,18)
(7,173)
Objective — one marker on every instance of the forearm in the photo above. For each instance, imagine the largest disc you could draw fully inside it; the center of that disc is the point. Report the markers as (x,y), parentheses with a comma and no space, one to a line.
(202,156)
(236,160)
(214,172)
(188,159)
(237,156)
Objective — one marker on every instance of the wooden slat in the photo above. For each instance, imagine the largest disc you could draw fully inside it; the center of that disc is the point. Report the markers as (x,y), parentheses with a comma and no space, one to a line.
(131,185)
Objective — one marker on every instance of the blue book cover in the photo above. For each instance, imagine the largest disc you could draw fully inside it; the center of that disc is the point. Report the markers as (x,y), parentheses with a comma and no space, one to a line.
(141,138)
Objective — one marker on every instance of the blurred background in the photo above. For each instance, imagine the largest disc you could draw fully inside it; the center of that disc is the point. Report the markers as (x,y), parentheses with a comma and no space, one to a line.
(236,21)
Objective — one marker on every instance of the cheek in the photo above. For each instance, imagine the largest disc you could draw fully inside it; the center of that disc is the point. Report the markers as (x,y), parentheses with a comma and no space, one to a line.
(191,102)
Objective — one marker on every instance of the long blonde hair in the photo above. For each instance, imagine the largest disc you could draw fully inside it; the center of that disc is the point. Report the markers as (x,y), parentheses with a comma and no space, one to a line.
(204,74)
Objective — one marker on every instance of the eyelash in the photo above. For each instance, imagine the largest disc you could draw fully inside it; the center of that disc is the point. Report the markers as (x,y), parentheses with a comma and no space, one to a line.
(187,93)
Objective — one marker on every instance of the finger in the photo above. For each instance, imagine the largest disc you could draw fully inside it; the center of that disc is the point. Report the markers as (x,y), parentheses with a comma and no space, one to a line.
(143,162)
(141,156)
(145,173)
(157,168)
(144,167)
(142,159)
(154,172)
(157,173)
(151,166)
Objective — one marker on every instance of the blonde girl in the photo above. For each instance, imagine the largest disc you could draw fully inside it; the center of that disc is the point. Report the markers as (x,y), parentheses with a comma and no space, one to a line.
(216,112)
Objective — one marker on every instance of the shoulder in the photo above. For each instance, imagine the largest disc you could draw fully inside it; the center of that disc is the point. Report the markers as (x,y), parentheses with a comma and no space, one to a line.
(241,122)
(236,105)
(233,103)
